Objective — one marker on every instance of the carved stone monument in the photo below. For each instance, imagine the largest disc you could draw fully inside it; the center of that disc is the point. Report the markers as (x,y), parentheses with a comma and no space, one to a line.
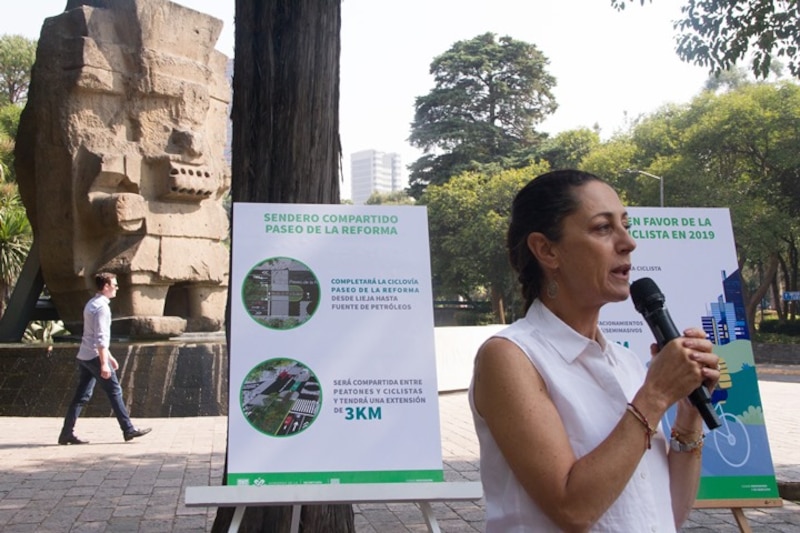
(120,163)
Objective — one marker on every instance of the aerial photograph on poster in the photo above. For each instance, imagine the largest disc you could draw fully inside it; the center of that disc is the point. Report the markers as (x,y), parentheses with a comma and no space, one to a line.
(280,397)
(281,293)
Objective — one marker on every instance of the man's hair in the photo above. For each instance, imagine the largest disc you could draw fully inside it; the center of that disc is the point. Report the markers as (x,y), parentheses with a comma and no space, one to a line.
(101,279)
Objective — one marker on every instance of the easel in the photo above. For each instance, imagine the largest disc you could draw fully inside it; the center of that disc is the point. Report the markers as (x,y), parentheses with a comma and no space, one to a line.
(245,496)
(737,508)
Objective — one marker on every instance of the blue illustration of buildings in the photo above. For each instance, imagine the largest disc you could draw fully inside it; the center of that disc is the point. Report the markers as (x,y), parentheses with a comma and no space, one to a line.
(727,321)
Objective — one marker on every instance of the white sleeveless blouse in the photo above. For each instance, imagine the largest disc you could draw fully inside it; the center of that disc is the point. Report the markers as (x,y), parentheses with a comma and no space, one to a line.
(590,384)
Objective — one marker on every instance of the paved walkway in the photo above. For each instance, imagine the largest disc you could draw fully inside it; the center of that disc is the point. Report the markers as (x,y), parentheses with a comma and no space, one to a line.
(112,486)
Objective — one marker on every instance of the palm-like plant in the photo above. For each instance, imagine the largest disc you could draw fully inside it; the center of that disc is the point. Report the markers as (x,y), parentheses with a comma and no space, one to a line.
(9,122)
(43,331)
(6,156)
(15,240)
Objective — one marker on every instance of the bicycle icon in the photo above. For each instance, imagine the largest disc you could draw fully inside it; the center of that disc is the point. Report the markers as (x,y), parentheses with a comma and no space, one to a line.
(731,438)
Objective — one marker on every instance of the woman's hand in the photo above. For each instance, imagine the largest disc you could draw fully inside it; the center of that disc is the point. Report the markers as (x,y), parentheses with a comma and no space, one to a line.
(681,366)
(695,339)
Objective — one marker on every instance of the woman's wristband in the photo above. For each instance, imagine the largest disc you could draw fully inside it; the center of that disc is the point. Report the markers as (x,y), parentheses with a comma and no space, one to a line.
(649,430)
(686,442)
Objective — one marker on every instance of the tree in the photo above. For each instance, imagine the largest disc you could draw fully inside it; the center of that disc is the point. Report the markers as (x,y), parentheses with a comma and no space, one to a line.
(390,198)
(719,33)
(17,55)
(747,139)
(610,161)
(468,218)
(568,148)
(489,94)
(286,150)
(717,151)
(727,80)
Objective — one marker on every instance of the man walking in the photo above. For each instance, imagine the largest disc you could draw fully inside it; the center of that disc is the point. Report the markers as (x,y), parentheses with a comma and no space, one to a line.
(96,364)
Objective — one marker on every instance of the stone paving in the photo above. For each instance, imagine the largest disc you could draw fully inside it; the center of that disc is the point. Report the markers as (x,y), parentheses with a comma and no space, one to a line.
(113,486)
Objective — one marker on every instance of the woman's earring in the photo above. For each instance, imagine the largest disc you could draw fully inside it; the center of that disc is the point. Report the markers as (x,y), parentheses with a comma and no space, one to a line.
(552,289)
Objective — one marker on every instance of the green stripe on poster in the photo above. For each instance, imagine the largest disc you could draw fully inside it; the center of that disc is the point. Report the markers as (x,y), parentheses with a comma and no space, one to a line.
(303,478)
(737,487)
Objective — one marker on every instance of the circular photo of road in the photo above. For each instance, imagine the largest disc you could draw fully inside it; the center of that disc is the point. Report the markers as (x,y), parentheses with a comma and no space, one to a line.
(281,293)
(280,397)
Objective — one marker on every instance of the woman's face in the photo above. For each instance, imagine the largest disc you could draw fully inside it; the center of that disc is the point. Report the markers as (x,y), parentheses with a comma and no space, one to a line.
(594,253)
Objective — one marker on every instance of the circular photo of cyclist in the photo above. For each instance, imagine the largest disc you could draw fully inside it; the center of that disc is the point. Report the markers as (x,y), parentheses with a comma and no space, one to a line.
(281,293)
(280,397)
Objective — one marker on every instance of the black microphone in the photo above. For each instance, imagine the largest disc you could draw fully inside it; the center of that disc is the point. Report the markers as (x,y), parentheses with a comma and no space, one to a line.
(649,301)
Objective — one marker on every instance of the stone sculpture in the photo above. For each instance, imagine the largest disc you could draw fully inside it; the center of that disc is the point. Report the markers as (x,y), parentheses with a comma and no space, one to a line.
(120,163)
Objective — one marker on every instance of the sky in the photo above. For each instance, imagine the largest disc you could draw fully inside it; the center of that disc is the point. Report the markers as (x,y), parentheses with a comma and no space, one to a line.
(610,66)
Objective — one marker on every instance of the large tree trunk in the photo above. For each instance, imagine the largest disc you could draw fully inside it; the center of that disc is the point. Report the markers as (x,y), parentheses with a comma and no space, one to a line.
(781,305)
(753,300)
(286,101)
(793,273)
(286,150)
(498,305)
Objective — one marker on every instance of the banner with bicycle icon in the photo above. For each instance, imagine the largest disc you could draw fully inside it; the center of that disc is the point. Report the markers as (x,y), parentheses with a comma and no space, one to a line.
(690,253)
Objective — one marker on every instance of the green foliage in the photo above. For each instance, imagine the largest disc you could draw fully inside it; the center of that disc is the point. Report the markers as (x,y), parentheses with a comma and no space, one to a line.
(9,119)
(15,240)
(754,416)
(279,323)
(609,160)
(775,338)
(489,94)
(468,218)
(9,122)
(717,34)
(17,55)
(43,331)
(6,158)
(726,80)
(15,234)
(744,143)
(786,327)
(569,148)
(735,149)
(390,198)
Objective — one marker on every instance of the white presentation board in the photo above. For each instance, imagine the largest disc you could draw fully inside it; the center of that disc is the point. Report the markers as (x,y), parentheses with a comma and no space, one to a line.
(691,255)
(332,364)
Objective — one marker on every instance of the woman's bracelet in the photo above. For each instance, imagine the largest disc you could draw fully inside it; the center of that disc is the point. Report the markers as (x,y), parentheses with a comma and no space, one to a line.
(649,430)
(678,444)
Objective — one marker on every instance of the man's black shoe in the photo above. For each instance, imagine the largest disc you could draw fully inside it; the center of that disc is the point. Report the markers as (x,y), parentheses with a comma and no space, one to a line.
(136,433)
(71,439)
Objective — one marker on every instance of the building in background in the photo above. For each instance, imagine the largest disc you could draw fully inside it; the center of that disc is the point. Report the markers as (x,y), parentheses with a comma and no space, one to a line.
(373,171)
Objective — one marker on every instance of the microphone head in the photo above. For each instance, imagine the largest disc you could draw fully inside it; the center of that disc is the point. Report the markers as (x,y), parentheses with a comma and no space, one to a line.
(646,295)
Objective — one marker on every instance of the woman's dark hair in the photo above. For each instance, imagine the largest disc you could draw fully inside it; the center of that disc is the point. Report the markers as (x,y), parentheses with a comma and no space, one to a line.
(540,206)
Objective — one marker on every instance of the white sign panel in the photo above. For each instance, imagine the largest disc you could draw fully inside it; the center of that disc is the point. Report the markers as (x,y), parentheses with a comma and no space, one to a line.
(690,254)
(332,364)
